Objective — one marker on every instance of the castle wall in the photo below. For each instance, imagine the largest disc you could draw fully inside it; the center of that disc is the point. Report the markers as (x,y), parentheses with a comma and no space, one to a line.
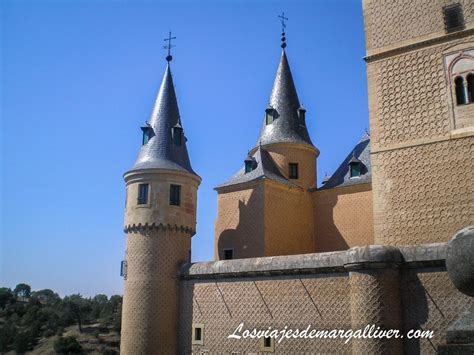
(343,217)
(391,23)
(240,222)
(421,147)
(327,290)
(149,312)
(289,223)
(283,154)
(158,209)
(158,241)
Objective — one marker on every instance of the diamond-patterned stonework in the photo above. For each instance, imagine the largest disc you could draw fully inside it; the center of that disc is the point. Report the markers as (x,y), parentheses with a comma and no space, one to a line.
(409,97)
(423,194)
(150,309)
(320,300)
(375,300)
(391,21)
(430,302)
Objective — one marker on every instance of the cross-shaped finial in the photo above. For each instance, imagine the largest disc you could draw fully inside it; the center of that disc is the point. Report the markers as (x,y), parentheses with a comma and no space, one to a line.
(169,57)
(283,26)
(282,20)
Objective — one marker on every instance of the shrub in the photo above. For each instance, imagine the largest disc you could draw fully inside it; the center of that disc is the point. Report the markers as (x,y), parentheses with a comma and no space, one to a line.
(67,345)
(7,336)
(22,342)
(48,333)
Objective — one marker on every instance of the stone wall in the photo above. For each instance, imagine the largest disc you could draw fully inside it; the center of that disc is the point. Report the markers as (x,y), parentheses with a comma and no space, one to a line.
(289,220)
(421,145)
(343,217)
(398,22)
(336,290)
(240,221)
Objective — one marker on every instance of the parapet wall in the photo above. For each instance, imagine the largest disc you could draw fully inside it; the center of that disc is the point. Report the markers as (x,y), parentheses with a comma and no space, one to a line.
(403,288)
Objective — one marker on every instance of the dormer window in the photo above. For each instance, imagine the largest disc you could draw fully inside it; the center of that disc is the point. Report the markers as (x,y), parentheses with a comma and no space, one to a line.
(355,170)
(269,115)
(249,164)
(354,167)
(302,115)
(147,134)
(177,134)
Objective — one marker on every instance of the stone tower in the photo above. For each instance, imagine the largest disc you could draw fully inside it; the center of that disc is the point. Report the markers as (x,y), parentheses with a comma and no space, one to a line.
(266,208)
(160,219)
(420,73)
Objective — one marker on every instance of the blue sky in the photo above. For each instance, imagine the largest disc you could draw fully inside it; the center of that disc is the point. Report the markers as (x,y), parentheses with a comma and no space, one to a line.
(78,79)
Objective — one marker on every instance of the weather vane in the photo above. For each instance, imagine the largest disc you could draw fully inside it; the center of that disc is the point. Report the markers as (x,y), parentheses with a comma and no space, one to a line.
(283,26)
(169,57)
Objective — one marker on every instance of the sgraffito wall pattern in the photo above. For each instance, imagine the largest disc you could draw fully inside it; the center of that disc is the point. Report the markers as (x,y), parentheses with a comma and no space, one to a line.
(426,297)
(343,217)
(429,302)
(149,313)
(391,21)
(319,300)
(423,194)
(409,97)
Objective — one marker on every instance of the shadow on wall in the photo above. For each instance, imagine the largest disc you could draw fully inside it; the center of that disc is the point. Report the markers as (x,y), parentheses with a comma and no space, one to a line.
(415,308)
(246,240)
(328,236)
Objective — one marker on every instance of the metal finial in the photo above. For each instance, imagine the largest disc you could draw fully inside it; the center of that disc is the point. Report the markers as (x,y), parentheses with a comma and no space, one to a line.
(283,26)
(169,57)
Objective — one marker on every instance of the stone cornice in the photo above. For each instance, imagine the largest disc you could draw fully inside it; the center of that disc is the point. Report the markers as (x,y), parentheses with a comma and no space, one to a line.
(133,175)
(420,44)
(141,228)
(357,258)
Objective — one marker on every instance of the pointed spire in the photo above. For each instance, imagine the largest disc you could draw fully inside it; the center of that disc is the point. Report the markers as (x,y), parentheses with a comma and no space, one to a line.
(286,124)
(166,148)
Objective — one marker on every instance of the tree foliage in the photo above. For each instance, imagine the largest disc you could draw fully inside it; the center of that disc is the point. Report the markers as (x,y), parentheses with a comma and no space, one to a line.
(67,345)
(29,315)
(22,290)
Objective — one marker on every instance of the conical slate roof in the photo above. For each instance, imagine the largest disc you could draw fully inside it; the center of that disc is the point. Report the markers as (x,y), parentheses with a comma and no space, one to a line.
(287,126)
(160,152)
(265,168)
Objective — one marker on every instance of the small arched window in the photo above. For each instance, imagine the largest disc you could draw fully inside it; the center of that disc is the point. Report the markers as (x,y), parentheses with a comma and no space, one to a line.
(470,87)
(460,97)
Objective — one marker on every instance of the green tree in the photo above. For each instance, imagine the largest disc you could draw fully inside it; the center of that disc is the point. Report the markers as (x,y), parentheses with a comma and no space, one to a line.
(22,290)
(6,296)
(22,342)
(98,304)
(77,307)
(46,296)
(67,345)
(7,336)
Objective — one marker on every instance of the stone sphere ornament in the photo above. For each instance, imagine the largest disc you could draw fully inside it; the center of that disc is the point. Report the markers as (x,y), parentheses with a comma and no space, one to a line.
(460,260)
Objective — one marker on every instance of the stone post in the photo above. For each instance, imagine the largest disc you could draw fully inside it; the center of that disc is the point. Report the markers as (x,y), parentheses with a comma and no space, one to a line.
(375,297)
(460,266)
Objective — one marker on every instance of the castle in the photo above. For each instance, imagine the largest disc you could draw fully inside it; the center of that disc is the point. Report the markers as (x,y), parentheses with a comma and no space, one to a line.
(368,247)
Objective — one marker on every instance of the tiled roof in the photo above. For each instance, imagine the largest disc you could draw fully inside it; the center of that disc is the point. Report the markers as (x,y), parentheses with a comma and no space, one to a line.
(287,126)
(265,169)
(160,152)
(341,177)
